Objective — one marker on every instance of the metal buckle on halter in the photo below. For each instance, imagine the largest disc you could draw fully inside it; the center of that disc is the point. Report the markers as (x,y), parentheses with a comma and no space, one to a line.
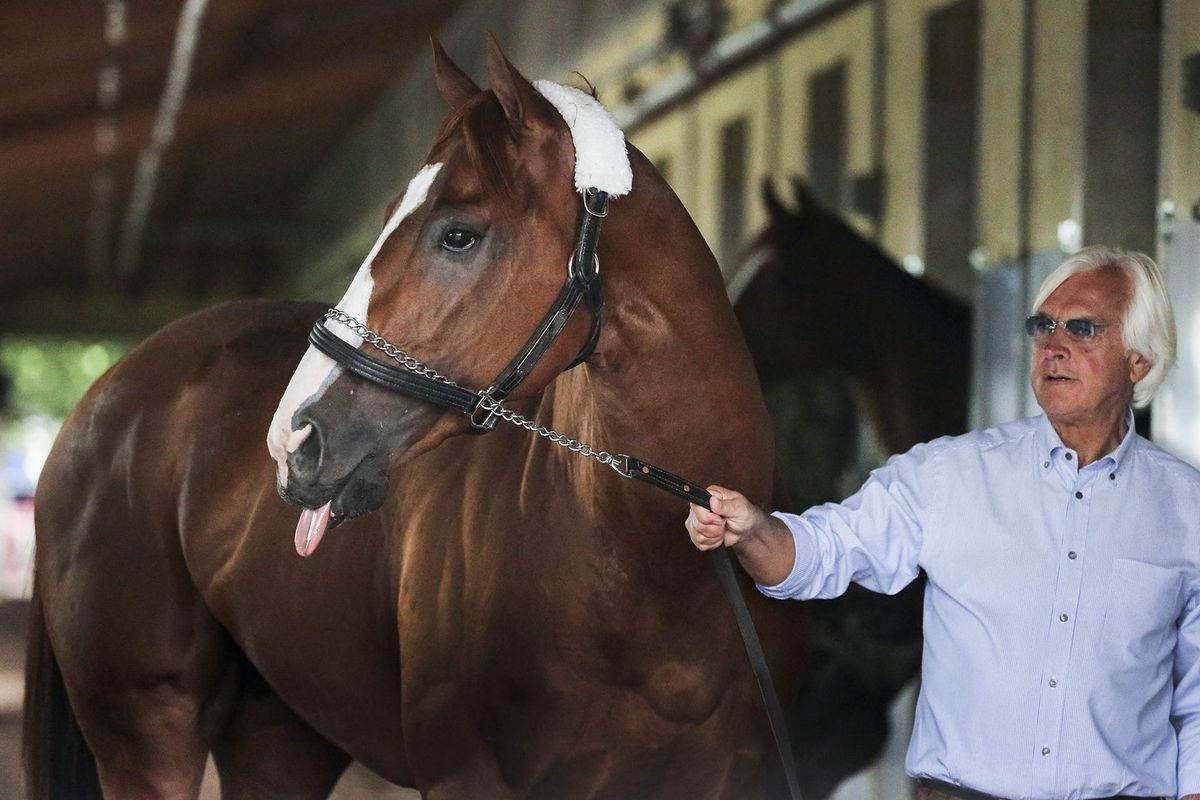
(490,407)
(599,198)
(572,273)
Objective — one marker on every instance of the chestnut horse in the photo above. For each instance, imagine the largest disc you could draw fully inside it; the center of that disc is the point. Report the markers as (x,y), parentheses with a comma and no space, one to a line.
(833,325)
(512,620)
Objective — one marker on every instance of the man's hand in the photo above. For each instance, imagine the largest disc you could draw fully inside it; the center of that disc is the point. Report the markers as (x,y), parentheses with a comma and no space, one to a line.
(729,518)
(762,543)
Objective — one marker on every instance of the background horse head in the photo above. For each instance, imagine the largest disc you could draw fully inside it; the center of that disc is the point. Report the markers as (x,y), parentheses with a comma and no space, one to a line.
(858,360)
(813,295)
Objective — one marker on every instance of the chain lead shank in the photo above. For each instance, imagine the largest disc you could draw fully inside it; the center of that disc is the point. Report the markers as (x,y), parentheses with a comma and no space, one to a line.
(488,404)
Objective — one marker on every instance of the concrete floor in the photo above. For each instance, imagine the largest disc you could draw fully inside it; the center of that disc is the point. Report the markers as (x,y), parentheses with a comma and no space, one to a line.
(13,616)
(358,783)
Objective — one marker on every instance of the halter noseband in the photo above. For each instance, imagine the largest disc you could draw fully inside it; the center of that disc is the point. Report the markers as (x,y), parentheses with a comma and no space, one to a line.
(415,380)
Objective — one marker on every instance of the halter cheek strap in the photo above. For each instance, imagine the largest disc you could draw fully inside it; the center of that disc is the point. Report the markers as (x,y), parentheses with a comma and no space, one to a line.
(583,283)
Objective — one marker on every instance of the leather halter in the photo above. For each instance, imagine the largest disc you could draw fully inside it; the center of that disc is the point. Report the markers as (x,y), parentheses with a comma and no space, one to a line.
(583,283)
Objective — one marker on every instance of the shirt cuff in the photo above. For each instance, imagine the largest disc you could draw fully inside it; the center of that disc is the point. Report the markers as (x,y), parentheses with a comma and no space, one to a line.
(804,565)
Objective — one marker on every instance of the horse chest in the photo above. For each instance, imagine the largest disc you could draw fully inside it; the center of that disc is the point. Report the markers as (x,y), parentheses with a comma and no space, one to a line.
(549,641)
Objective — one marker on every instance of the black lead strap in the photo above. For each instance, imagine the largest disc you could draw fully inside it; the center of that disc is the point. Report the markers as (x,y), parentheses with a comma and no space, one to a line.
(723,565)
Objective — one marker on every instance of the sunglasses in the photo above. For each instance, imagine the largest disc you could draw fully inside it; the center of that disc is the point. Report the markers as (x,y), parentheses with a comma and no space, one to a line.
(1039,326)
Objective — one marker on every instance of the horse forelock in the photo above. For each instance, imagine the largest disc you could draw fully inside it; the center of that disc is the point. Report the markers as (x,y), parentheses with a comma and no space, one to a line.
(481,129)
(600,157)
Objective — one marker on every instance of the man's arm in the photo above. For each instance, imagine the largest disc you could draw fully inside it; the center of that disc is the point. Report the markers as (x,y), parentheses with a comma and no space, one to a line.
(874,538)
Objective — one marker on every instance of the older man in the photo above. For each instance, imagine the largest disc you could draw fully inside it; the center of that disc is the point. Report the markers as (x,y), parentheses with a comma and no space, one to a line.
(1062,614)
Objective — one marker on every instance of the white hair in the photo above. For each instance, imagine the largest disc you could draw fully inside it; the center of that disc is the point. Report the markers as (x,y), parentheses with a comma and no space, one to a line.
(1149,324)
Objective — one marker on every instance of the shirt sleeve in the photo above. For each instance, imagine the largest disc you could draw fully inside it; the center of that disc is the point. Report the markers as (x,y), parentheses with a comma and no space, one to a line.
(873,538)
(1185,707)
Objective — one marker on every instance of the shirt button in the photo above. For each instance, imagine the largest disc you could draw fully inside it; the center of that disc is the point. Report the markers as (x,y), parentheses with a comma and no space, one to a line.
(1069,457)
(1079,495)
(1112,476)
(1045,751)
(1053,683)
(1063,618)
(1072,555)
(1045,465)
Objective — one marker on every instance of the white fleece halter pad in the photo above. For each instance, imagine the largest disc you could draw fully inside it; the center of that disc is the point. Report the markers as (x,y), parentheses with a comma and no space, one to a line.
(601,160)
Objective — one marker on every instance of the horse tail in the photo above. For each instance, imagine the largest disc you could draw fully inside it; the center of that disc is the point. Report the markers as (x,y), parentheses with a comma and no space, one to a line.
(58,763)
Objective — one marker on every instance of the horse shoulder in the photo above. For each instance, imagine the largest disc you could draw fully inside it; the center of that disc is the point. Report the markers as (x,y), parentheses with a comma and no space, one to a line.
(114,477)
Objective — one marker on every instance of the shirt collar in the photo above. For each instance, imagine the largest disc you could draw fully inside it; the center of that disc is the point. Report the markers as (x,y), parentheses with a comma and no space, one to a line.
(1050,446)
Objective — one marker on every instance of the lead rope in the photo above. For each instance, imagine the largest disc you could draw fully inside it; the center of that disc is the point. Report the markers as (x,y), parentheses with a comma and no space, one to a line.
(629,467)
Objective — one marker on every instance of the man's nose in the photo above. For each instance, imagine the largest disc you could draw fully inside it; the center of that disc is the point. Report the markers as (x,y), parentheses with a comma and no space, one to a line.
(1055,344)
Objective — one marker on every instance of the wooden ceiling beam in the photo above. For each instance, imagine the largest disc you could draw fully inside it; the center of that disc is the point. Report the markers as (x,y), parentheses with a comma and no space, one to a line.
(47,37)
(27,162)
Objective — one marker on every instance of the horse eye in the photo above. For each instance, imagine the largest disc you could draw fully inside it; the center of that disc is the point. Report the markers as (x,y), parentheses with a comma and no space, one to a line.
(458,240)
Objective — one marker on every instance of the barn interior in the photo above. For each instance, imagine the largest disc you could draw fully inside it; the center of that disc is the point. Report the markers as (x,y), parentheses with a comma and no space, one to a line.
(160,158)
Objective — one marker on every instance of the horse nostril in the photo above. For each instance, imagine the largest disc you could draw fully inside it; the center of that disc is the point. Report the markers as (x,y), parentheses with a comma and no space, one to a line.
(305,459)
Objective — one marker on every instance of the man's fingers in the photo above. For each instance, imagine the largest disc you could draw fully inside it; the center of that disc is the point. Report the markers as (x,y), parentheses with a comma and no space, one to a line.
(704,516)
(728,516)
(732,506)
(715,526)
(717,497)
(705,535)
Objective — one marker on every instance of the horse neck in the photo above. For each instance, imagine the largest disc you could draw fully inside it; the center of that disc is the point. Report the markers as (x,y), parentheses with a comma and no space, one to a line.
(671,381)
(914,373)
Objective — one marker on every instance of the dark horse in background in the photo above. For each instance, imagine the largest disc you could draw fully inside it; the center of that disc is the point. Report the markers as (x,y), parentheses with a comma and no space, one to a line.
(511,620)
(834,326)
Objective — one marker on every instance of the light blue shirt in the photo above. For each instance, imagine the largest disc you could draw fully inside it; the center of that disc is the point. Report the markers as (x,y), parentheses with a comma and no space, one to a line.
(1062,613)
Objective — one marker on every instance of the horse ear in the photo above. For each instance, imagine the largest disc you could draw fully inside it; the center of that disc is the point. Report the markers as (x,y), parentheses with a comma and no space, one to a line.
(454,85)
(775,207)
(524,107)
(804,200)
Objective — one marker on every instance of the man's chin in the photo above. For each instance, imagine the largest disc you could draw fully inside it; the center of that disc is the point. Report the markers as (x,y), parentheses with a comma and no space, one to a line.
(1053,391)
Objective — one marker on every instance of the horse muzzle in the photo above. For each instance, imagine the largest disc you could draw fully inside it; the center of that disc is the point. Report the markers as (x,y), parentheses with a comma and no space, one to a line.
(343,482)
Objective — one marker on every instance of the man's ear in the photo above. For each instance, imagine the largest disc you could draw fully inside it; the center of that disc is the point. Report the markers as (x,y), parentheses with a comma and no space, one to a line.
(1139,366)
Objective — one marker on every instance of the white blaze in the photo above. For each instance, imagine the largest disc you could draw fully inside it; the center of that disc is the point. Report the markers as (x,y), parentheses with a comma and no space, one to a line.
(317,370)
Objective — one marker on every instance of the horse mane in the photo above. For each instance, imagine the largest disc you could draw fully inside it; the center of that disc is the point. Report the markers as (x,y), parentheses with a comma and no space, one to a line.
(591,87)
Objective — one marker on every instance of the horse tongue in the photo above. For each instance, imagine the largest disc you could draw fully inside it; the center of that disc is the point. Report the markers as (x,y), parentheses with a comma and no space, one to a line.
(311,528)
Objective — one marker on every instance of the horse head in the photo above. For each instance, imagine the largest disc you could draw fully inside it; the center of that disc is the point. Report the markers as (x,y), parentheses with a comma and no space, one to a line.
(795,288)
(815,296)
(470,257)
